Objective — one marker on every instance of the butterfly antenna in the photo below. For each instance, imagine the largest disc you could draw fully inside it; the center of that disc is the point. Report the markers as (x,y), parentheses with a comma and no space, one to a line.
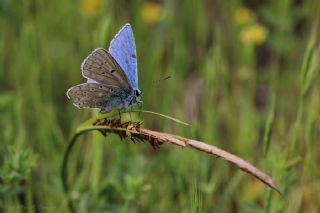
(153,82)
(161,79)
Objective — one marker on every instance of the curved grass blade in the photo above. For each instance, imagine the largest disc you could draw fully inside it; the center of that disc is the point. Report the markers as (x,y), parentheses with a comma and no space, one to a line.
(165,116)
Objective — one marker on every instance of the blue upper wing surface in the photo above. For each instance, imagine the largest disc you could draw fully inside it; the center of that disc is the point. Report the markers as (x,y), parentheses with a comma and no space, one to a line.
(123,50)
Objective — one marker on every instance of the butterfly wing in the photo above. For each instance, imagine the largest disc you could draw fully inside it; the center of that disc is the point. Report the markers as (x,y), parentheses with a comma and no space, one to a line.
(112,75)
(93,95)
(123,50)
(101,67)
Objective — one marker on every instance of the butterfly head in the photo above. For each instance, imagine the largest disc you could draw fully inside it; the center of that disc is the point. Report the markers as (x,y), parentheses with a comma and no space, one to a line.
(137,95)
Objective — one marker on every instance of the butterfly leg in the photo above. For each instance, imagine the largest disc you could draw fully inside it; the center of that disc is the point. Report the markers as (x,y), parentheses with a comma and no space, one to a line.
(130,114)
(119,112)
(129,109)
(140,107)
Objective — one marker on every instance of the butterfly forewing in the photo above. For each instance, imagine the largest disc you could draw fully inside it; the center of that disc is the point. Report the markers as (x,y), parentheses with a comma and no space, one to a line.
(101,67)
(92,95)
(123,50)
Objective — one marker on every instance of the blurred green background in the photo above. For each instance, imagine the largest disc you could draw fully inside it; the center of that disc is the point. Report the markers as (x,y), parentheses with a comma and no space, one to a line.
(245,74)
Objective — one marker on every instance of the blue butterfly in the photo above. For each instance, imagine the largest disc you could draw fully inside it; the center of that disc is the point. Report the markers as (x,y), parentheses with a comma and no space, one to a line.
(112,76)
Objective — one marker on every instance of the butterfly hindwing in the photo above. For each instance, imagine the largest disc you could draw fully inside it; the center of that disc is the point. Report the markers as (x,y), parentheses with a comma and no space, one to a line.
(101,67)
(92,95)
(123,50)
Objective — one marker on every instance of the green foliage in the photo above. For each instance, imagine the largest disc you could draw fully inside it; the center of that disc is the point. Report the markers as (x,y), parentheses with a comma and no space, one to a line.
(15,171)
(247,84)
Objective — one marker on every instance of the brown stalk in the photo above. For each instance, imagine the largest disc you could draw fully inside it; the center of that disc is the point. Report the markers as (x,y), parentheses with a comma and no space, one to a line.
(134,132)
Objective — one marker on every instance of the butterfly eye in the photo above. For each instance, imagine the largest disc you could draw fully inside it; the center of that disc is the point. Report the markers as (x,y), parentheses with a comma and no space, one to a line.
(138,93)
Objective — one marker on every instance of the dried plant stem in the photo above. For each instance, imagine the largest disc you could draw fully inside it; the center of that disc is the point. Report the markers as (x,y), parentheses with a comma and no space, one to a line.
(133,131)
(239,162)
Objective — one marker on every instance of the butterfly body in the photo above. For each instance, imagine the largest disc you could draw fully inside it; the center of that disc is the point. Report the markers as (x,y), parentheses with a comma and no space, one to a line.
(112,79)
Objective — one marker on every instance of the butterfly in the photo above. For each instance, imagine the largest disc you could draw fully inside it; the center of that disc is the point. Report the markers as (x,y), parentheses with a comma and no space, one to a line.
(112,76)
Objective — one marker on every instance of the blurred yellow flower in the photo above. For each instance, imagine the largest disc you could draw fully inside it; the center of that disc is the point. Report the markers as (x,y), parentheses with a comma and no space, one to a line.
(253,34)
(152,12)
(90,7)
(244,16)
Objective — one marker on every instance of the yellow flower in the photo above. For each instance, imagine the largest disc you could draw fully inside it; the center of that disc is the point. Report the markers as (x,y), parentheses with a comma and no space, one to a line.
(244,16)
(253,34)
(90,7)
(152,12)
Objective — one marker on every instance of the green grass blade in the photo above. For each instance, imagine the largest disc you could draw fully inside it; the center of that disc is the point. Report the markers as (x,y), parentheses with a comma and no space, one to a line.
(165,116)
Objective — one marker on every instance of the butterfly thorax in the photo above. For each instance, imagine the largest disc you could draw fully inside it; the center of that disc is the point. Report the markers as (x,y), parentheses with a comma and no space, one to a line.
(121,99)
